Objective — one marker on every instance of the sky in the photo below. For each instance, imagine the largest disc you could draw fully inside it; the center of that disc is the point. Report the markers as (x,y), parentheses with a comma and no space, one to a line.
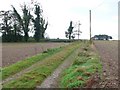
(59,13)
(119,20)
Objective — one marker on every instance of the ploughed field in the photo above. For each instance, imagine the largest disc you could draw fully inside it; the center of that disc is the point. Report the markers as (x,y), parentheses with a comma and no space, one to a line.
(14,52)
(73,65)
(108,51)
(78,64)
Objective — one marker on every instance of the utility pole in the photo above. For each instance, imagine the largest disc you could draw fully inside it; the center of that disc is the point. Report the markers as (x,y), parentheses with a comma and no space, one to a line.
(79,30)
(90,27)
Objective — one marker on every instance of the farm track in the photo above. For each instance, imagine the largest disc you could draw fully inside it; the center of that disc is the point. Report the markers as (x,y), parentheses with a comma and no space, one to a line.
(16,76)
(19,74)
(108,51)
(52,81)
(14,52)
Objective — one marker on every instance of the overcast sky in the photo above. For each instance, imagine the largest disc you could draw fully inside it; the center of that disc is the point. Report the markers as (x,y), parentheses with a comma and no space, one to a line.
(60,12)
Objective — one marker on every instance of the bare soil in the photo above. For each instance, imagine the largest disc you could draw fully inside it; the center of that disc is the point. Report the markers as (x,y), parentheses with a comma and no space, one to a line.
(108,51)
(14,52)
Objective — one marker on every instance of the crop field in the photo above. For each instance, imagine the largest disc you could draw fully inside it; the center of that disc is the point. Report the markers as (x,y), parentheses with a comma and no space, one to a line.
(108,51)
(39,71)
(64,65)
(14,52)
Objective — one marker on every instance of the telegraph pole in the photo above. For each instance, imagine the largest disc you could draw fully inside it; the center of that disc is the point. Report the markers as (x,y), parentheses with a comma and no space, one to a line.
(79,30)
(90,26)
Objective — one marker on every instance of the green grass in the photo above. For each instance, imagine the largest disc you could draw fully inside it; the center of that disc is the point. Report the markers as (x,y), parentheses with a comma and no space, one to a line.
(86,65)
(17,67)
(36,76)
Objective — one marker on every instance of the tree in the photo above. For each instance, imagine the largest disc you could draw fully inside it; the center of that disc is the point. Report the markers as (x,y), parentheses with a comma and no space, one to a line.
(24,21)
(10,30)
(70,31)
(6,24)
(36,22)
(14,26)
(43,27)
(39,23)
(17,31)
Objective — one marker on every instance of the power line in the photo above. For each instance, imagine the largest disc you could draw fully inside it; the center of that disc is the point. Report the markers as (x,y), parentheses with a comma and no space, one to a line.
(98,5)
(113,4)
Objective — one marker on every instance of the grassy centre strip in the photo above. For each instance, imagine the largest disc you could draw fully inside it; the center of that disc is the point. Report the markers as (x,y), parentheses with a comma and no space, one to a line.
(17,67)
(85,66)
(36,76)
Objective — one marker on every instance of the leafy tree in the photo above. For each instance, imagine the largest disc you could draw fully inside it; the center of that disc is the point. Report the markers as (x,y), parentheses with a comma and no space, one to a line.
(10,30)
(43,27)
(17,29)
(17,33)
(24,20)
(6,24)
(36,22)
(39,23)
(70,31)
(14,27)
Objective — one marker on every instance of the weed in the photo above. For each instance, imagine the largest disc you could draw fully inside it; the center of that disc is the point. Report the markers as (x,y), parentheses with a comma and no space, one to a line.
(86,64)
(17,67)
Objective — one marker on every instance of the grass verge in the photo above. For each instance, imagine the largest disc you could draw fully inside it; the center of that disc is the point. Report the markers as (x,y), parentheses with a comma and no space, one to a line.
(37,75)
(86,65)
(17,67)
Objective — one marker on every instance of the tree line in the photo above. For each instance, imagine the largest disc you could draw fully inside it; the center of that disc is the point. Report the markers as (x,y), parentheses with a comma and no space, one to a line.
(16,27)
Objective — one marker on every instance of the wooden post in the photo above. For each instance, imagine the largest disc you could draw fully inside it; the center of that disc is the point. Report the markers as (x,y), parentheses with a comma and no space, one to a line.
(90,27)
(79,30)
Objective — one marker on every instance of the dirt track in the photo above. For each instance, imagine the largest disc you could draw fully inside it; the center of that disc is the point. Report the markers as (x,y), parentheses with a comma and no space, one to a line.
(108,51)
(52,81)
(14,52)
